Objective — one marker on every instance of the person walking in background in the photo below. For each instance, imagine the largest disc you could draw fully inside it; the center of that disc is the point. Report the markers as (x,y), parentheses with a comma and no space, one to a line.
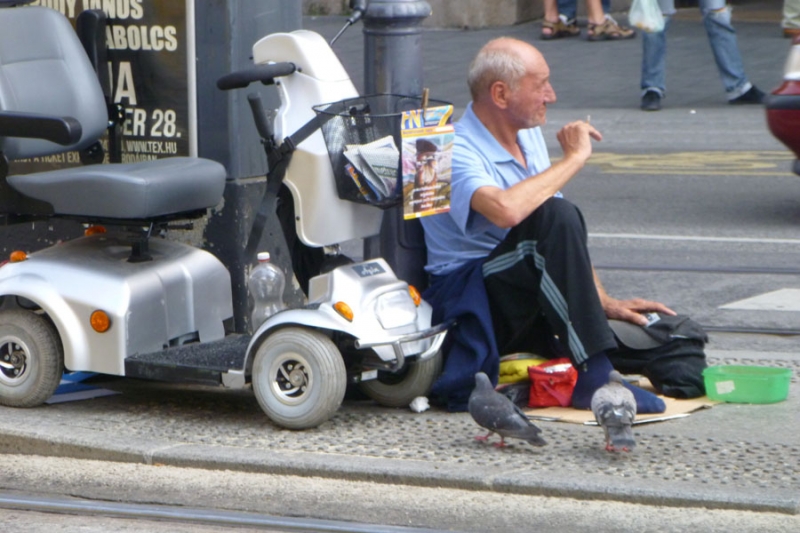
(560,21)
(721,37)
(791,18)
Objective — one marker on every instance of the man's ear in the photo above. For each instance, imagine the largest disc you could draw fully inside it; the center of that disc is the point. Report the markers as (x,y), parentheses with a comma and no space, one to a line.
(500,93)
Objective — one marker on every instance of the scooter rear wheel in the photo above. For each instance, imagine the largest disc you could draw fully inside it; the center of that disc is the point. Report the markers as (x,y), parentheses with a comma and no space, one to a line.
(31,358)
(398,389)
(299,377)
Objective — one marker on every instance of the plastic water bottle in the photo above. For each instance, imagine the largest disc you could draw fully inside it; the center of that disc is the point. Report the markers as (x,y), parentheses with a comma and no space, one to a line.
(266,287)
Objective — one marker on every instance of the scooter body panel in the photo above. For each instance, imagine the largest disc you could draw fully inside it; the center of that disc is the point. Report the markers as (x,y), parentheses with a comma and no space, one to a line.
(322,218)
(183,294)
(385,316)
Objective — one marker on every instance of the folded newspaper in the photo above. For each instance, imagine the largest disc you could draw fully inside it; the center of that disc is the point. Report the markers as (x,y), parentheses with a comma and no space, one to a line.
(377,162)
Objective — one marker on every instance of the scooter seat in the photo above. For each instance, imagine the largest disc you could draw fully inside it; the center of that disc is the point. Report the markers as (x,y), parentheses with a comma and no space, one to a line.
(144,190)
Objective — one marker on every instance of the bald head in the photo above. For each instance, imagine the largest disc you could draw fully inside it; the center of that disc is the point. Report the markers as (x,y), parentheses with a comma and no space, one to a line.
(503,59)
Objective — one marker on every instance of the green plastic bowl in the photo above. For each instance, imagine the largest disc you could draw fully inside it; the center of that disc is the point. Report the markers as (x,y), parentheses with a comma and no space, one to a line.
(747,384)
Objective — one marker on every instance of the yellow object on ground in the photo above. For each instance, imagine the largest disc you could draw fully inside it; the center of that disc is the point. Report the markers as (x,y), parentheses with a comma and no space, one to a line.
(514,367)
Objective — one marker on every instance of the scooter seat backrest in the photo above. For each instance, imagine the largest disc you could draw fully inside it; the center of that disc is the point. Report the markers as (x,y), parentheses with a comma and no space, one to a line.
(44,69)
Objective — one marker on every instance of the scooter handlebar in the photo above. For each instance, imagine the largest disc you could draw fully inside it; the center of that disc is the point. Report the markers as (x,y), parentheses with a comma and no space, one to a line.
(266,74)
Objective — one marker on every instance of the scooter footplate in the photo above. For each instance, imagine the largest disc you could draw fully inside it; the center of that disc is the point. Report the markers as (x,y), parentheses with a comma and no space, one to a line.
(191,363)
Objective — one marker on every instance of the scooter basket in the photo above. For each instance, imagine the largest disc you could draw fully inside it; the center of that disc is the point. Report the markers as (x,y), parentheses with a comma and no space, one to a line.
(362,135)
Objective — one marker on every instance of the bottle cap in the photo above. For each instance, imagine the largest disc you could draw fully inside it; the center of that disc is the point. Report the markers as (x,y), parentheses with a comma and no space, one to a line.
(262,256)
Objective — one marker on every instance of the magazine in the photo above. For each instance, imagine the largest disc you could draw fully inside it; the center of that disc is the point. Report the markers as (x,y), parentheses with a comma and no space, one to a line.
(376,163)
(428,136)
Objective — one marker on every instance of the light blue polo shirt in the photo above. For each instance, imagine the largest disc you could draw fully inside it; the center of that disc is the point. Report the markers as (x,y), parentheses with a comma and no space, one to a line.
(456,237)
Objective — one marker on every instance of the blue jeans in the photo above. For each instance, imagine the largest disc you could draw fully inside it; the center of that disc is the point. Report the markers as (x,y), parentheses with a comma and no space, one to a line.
(721,37)
(569,8)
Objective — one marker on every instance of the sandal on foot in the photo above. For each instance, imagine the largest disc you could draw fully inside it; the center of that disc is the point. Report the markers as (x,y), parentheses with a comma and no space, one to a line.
(609,30)
(561,28)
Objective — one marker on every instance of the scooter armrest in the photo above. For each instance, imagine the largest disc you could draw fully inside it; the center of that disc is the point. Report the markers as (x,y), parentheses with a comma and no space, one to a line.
(266,74)
(60,130)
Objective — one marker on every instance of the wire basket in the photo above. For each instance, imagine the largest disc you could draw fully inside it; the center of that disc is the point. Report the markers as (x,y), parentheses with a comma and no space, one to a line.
(362,135)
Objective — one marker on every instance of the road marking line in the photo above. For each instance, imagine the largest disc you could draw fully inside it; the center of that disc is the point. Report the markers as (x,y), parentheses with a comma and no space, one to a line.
(639,236)
(780,300)
(716,163)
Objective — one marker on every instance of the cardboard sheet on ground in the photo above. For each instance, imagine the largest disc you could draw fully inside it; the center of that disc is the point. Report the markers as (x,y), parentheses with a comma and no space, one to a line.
(675,409)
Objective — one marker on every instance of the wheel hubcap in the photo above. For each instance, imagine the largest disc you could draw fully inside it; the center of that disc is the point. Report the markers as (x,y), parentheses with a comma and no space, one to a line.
(13,361)
(290,378)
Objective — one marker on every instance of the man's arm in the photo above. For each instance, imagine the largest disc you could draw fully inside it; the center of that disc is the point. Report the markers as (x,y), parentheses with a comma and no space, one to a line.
(628,310)
(507,208)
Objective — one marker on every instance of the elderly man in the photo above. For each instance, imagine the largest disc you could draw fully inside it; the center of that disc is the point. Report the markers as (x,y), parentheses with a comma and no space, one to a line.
(510,259)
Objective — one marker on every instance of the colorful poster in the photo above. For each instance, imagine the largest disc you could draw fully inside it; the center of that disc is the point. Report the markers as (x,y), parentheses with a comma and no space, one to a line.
(428,137)
(149,43)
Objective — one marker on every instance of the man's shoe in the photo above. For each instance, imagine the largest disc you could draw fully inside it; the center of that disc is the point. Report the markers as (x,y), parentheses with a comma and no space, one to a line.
(651,101)
(753,96)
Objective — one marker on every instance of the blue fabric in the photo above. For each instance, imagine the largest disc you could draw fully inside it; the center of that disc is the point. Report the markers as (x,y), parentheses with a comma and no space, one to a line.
(471,346)
(454,238)
(569,8)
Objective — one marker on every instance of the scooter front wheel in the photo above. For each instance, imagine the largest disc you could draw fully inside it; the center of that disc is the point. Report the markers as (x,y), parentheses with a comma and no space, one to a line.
(299,377)
(31,358)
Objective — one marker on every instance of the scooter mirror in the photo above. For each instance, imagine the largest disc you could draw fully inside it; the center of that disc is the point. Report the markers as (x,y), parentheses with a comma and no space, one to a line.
(358,7)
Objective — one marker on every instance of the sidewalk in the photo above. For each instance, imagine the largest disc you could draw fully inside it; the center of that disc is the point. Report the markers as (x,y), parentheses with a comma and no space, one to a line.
(727,457)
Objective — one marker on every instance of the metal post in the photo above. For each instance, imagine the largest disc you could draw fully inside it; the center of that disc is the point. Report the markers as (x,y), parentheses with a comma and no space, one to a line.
(393,64)
(226,31)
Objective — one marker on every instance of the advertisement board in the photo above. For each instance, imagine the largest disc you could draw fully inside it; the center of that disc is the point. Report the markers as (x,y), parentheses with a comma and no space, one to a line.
(152,71)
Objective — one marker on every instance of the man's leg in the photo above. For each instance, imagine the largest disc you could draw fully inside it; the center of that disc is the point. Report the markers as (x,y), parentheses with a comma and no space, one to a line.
(722,37)
(791,17)
(654,67)
(542,268)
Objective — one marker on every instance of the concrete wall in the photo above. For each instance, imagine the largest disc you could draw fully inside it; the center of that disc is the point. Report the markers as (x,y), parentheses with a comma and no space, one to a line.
(465,13)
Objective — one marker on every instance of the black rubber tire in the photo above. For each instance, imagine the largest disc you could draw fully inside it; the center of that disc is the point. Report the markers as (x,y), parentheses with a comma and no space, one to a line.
(398,389)
(31,358)
(299,378)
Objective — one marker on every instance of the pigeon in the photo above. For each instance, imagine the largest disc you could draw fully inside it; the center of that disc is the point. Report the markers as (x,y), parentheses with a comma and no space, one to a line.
(498,414)
(614,408)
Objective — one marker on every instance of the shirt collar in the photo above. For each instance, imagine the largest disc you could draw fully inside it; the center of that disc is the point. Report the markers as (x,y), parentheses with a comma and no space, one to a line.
(490,146)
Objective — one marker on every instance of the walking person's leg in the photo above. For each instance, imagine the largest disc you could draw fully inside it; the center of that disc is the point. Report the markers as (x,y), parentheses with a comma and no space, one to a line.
(791,17)
(724,45)
(654,68)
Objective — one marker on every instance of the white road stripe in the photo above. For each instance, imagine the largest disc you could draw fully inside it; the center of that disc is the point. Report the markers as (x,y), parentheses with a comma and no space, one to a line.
(691,238)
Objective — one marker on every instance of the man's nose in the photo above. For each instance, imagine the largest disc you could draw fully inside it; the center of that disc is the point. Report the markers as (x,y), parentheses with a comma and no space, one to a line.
(550,94)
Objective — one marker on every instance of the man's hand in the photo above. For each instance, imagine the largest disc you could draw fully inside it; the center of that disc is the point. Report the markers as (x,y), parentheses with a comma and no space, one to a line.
(632,310)
(575,139)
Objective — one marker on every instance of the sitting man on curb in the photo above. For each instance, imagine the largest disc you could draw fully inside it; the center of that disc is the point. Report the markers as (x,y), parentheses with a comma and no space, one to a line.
(510,261)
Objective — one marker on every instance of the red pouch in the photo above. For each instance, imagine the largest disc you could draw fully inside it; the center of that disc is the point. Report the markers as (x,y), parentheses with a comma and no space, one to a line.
(552,383)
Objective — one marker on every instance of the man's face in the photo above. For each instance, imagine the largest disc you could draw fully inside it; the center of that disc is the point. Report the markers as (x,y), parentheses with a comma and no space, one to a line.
(528,103)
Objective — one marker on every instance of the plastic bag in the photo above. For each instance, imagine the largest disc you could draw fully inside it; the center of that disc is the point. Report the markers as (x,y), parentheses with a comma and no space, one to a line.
(646,15)
(552,383)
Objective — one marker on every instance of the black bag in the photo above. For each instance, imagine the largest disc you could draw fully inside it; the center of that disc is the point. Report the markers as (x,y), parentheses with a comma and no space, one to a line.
(669,352)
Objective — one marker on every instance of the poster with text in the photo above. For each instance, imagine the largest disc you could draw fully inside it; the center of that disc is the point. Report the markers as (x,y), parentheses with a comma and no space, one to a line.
(427,160)
(149,43)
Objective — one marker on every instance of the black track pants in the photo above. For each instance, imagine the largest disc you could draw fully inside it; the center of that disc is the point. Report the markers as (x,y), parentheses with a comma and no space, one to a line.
(541,288)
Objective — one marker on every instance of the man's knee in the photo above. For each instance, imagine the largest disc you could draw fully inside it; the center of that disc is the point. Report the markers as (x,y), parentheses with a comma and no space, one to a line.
(555,218)
(562,214)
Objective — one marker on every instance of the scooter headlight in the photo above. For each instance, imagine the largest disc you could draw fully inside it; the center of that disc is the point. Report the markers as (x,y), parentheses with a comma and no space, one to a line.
(395,309)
